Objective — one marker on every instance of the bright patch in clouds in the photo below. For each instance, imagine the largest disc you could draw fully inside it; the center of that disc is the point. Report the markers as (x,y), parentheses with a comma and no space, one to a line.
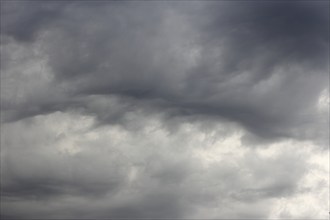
(110,163)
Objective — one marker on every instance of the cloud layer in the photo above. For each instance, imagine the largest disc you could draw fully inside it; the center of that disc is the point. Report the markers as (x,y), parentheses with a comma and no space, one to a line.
(150,173)
(164,109)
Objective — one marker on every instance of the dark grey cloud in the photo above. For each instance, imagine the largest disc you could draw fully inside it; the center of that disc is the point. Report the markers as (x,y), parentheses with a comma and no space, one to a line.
(154,109)
(23,20)
(260,64)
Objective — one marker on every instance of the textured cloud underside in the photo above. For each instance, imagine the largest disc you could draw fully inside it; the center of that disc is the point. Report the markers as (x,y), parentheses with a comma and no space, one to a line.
(201,109)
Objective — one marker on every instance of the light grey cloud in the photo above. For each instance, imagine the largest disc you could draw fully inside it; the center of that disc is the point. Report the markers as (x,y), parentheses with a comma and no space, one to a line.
(86,172)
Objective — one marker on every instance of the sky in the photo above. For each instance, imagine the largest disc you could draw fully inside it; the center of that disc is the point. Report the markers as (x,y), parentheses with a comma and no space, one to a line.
(165,109)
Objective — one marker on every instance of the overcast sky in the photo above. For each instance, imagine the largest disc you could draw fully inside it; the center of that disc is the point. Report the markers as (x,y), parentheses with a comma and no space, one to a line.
(165,109)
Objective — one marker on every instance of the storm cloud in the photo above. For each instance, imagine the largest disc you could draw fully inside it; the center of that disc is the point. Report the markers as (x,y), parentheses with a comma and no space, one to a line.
(164,109)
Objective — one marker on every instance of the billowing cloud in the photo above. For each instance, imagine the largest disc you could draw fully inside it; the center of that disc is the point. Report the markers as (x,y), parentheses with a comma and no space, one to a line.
(164,109)
(110,171)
